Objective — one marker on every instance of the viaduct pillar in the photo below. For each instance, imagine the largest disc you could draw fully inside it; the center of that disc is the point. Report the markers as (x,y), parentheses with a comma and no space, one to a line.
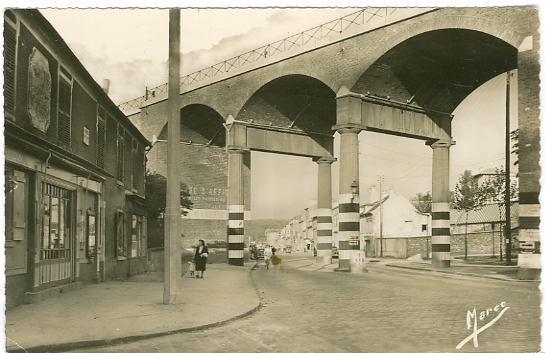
(349,208)
(324,219)
(440,209)
(235,229)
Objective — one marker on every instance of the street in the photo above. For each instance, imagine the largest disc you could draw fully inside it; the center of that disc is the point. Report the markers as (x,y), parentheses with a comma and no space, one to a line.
(385,310)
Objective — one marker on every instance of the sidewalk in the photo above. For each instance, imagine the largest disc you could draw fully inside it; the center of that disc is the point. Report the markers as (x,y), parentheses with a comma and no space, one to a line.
(503,273)
(121,312)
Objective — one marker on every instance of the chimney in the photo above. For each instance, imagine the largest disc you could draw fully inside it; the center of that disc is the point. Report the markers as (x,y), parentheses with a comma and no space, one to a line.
(106,86)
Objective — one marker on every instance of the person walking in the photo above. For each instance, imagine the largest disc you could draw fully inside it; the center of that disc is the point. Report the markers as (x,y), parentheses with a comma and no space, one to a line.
(267,255)
(201,255)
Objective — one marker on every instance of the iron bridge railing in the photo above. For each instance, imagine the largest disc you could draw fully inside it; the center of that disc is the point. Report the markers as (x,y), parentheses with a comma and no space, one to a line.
(339,25)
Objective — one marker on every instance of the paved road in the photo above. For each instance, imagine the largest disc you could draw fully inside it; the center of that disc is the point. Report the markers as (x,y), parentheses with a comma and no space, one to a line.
(385,310)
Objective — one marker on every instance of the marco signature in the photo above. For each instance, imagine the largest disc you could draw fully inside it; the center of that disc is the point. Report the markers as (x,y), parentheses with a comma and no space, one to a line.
(473,315)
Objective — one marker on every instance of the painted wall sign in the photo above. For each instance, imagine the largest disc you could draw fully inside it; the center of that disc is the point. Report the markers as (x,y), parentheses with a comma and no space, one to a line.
(211,198)
(39,97)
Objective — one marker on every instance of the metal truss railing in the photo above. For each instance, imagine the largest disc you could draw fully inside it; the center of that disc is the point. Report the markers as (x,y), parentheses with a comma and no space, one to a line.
(339,25)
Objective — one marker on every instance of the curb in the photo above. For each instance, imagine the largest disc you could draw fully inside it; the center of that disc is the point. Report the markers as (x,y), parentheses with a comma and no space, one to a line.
(64,347)
(460,273)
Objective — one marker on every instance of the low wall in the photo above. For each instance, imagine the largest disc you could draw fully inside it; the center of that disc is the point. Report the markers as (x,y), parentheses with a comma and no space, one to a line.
(482,243)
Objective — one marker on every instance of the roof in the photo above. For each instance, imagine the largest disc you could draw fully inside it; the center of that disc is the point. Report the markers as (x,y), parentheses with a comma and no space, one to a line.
(488,214)
(375,205)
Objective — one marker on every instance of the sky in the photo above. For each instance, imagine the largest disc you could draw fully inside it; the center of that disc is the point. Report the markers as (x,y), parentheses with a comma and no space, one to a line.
(130,46)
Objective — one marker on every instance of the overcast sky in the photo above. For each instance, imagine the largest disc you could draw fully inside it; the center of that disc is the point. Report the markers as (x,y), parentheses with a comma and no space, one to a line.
(130,46)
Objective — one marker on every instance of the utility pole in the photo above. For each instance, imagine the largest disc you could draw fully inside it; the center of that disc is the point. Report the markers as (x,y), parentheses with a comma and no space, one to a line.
(173,251)
(507,170)
(380,179)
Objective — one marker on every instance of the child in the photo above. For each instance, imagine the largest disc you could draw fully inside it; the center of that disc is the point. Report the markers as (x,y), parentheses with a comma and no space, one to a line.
(192,268)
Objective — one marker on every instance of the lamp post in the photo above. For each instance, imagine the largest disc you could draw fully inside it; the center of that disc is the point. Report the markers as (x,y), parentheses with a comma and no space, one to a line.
(354,189)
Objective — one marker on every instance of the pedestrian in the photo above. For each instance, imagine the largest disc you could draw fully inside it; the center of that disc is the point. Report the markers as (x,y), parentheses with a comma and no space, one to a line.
(192,268)
(201,255)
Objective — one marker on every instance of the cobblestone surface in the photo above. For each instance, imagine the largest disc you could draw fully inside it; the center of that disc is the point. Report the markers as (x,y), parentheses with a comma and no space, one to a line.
(384,310)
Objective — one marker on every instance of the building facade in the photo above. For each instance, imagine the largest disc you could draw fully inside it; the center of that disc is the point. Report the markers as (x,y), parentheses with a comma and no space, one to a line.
(74,170)
(400,220)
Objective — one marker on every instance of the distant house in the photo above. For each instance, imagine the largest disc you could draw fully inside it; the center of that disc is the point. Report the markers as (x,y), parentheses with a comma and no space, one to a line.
(400,220)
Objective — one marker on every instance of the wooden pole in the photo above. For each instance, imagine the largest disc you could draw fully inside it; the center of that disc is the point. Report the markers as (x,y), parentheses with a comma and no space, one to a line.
(173,260)
(507,171)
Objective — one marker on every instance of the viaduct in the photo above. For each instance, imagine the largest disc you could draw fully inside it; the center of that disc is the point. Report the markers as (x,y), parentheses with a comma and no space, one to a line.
(388,70)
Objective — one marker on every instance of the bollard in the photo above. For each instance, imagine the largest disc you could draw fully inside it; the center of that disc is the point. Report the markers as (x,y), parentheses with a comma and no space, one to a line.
(357,261)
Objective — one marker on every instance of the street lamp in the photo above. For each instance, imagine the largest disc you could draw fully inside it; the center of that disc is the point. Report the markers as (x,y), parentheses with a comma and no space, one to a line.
(354,189)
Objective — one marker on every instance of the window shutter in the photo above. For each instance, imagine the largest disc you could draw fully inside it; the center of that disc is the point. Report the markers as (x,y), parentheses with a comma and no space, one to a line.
(120,154)
(65,105)
(101,136)
(10,45)
(19,219)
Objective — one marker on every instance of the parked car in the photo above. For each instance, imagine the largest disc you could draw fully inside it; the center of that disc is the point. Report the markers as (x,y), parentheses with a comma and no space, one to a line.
(334,252)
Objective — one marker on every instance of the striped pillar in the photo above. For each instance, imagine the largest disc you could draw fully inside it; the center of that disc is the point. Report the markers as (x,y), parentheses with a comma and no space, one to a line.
(530,151)
(440,209)
(235,228)
(349,213)
(324,236)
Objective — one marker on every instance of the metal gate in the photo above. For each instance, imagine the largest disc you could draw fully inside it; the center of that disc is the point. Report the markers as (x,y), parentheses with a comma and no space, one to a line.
(56,260)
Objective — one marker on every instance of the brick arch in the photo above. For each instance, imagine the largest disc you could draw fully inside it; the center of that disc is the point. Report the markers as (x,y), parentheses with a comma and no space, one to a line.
(237,90)
(377,76)
(199,124)
(293,101)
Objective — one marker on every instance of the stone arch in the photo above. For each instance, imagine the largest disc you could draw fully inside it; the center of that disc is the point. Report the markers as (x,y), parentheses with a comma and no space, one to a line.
(497,29)
(292,101)
(199,124)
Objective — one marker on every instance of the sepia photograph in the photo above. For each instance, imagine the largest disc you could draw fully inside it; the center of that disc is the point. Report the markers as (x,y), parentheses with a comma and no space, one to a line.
(316,178)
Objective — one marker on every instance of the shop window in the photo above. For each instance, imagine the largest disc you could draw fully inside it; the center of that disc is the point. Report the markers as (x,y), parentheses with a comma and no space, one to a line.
(56,226)
(120,235)
(137,237)
(15,208)
(91,234)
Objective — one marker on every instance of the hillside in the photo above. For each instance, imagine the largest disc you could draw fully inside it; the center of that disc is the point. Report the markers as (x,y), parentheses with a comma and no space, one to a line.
(256,227)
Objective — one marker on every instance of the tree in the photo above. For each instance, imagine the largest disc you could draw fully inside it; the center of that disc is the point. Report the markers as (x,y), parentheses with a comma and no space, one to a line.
(422,202)
(468,196)
(156,197)
(495,188)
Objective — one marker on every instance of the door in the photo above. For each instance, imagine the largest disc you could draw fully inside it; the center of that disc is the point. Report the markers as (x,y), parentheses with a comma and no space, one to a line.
(56,260)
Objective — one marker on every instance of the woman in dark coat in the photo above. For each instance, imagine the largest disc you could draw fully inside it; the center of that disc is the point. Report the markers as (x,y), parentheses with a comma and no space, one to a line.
(201,254)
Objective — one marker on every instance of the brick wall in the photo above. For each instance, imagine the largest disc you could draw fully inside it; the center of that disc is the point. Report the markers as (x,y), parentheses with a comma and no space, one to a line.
(420,245)
(483,243)
(204,170)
